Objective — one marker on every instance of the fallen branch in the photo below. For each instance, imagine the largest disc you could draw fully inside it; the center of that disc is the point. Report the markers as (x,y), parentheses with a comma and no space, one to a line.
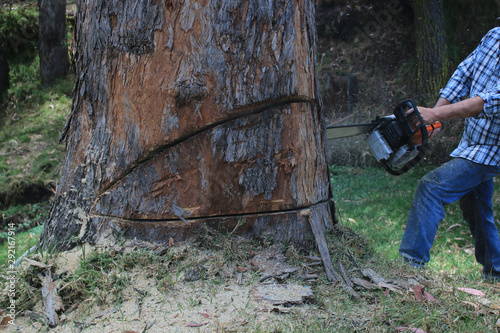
(320,238)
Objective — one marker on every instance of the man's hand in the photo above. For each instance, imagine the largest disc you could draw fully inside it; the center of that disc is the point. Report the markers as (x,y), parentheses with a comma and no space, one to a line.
(429,115)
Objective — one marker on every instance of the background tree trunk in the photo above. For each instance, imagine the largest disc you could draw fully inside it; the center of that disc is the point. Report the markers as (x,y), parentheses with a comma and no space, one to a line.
(434,66)
(54,62)
(4,70)
(193,113)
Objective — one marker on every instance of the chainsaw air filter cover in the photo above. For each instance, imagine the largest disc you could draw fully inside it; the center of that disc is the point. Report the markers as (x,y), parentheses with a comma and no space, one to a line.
(379,146)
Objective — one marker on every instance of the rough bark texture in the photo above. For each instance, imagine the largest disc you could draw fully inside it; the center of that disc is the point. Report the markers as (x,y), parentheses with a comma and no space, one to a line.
(434,66)
(4,70)
(189,114)
(54,61)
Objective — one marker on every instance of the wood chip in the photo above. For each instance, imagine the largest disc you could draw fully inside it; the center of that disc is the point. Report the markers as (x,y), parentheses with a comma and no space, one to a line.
(5,321)
(372,275)
(280,309)
(364,283)
(474,305)
(139,307)
(51,300)
(429,297)
(390,287)
(410,329)
(417,291)
(140,292)
(313,258)
(307,277)
(472,291)
(148,326)
(453,226)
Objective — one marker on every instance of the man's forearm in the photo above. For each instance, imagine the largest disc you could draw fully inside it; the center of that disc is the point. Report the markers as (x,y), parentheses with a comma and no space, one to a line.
(470,107)
(444,110)
(441,102)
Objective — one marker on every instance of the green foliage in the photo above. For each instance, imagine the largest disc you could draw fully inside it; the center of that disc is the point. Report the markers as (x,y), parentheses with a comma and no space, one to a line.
(25,83)
(19,26)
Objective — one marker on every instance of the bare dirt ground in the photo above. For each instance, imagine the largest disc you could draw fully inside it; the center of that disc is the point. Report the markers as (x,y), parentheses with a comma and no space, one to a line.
(251,295)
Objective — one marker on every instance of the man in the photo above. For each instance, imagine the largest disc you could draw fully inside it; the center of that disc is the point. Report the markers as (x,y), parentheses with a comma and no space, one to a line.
(473,93)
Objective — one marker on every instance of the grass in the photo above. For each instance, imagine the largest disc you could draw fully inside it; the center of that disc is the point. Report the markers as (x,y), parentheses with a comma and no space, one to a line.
(28,220)
(372,208)
(29,148)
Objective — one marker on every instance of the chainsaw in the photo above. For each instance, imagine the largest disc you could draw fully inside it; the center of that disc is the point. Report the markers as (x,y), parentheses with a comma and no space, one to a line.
(398,141)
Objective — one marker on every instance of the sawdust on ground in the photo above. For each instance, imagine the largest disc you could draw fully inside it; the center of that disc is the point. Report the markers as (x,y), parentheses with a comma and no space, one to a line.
(196,306)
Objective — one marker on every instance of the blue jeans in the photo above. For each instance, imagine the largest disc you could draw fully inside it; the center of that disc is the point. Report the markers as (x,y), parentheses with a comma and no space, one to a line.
(445,185)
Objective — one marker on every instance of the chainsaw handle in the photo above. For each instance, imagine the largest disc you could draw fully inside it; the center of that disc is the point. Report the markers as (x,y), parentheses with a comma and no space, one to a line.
(412,127)
(408,120)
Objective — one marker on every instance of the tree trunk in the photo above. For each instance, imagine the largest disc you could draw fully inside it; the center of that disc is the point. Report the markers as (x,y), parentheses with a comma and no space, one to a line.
(4,70)
(190,114)
(434,66)
(54,62)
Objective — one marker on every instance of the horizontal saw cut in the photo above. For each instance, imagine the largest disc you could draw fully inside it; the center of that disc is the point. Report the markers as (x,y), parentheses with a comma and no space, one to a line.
(248,165)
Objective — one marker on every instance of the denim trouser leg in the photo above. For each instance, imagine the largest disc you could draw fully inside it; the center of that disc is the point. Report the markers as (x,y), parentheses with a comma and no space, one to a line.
(486,233)
(443,186)
(469,205)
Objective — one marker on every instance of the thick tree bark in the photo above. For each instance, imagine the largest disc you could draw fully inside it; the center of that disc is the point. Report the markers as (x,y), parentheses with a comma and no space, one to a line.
(434,66)
(189,114)
(4,70)
(54,61)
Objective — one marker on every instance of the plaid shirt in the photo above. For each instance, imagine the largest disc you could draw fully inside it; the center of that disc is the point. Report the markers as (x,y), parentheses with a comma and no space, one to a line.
(479,75)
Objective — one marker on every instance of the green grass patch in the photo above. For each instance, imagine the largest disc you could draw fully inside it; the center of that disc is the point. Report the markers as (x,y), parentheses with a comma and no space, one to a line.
(24,241)
(25,224)
(30,125)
